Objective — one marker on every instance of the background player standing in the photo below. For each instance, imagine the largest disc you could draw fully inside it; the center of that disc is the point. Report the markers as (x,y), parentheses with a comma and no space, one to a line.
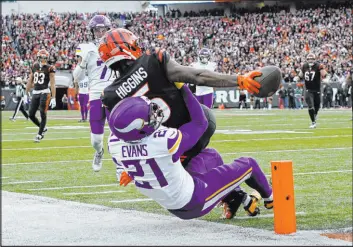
(82,93)
(313,73)
(21,97)
(40,76)
(204,94)
(98,78)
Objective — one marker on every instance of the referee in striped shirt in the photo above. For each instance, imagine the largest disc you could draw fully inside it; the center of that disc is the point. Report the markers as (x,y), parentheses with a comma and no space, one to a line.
(20,96)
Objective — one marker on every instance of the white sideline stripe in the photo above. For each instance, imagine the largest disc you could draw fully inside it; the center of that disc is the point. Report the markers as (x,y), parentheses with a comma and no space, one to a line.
(326,172)
(66,147)
(4,177)
(74,187)
(284,138)
(23,182)
(288,150)
(262,216)
(133,200)
(48,162)
(318,128)
(93,193)
(52,139)
(34,133)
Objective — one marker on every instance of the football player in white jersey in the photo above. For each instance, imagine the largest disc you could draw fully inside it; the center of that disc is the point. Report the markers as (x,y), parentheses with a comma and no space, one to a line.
(82,92)
(150,154)
(204,94)
(99,77)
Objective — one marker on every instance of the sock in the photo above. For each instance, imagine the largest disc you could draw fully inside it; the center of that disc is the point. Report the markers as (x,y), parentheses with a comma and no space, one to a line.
(97,142)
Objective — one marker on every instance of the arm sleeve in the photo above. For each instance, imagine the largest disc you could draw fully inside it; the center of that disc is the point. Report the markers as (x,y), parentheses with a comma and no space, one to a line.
(188,134)
(79,73)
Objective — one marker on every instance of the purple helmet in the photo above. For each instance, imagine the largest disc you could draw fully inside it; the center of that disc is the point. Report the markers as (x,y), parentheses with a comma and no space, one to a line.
(134,118)
(204,55)
(98,25)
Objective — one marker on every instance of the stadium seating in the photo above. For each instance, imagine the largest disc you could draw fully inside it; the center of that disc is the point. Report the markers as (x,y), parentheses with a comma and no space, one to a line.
(241,42)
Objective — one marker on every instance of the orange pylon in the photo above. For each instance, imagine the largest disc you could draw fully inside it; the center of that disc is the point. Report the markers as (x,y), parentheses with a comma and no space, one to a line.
(283,197)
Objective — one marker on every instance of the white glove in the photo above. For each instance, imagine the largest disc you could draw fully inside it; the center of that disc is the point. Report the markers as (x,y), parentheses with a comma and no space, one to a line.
(52,103)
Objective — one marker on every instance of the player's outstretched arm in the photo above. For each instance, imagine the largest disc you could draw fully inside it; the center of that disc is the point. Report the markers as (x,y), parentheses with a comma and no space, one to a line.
(202,77)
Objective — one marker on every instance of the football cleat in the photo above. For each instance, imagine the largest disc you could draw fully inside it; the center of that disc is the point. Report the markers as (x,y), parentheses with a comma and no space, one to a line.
(252,208)
(38,138)
(313,125)
(97,161)
(81,120)
(231,204)
(45,131)
(268,204)
(12,119)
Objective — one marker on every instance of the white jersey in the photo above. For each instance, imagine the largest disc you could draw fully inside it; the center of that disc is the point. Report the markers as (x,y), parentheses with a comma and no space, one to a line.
(99,75)
(83,86)
(202,90)
(151,165)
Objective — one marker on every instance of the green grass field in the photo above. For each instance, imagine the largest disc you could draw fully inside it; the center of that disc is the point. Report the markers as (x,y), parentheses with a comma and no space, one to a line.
(60,166)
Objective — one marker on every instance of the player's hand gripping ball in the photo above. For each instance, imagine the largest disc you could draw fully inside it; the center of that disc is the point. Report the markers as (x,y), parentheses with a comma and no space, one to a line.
(270,80)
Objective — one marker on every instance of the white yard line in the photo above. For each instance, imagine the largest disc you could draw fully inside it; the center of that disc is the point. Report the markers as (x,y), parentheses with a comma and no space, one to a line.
(51,139)
(74,187)
(42,148)
(22,182)
(5,177)
(288,150)
(325,172)
(284,138)
(262,216)
(49,132)
(47,162)
(133,200)
(93,193)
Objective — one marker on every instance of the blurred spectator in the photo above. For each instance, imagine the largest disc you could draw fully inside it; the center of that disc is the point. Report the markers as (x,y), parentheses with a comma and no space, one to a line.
(64,100)
(328,94)
(291,93)
(298,93)
(241,42)
(242,100)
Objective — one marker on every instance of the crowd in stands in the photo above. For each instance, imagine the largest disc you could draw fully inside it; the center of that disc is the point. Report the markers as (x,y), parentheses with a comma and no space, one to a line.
(244,41)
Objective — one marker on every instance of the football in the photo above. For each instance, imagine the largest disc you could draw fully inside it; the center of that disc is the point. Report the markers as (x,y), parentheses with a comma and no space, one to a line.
(270,81)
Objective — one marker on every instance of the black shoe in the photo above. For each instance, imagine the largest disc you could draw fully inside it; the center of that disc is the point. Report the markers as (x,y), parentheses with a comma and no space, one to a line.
(231,204)
(81,120)
(45,131)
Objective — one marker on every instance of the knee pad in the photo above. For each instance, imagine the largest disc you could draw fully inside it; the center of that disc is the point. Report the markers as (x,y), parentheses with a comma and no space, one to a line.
(97,141)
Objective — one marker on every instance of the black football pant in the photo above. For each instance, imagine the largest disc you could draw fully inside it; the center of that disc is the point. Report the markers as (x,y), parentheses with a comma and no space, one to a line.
(41,102)
(313,99)
(20,107)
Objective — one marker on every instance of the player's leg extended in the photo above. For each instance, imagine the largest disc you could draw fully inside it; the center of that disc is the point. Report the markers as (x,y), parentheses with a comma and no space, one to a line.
(204,162)
(43,108)
(33,109)
(97,121)
(213,186)
(86,106)
(309,98)
(18,106)
(82,106)
(317,102)
(22,109)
